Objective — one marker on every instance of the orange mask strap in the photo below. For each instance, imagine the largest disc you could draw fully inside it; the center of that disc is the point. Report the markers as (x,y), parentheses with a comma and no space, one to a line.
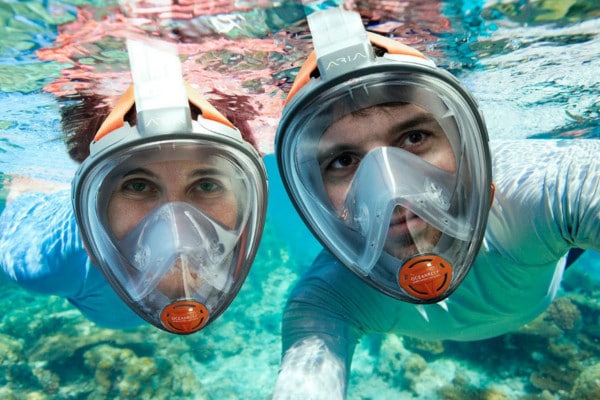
(310,65)
(116,118)
(208,110)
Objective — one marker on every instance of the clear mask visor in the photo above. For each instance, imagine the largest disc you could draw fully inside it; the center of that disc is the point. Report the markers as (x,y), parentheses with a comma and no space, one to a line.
(395,193)
(176,245)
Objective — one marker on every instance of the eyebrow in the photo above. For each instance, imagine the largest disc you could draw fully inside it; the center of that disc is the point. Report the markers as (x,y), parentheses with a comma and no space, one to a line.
(337,148)
(418,120)
(208,171)
(139,171)
(195,173)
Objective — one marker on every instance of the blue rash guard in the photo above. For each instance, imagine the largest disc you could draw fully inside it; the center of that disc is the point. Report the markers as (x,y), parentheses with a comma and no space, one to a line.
(547,200)
(40,249)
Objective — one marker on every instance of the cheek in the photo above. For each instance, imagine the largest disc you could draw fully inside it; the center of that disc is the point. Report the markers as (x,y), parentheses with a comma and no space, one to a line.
(225,211)
(122,218)
(337,195)
(444,159)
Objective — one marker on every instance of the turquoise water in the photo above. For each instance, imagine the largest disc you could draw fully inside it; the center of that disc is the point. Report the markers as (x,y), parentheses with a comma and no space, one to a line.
(533,67)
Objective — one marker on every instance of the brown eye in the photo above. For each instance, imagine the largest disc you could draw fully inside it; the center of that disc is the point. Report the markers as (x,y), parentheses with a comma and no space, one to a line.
(344,161)
(415,137)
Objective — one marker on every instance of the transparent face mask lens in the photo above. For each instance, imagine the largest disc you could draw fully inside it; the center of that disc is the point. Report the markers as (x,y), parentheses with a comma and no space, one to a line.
(175,217)
(209,180)
(164,220)
(388,172)
(177,239)
(376,211)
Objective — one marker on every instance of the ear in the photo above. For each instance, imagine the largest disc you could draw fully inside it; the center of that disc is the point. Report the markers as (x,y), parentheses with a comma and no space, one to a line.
(94,263)
(493,191)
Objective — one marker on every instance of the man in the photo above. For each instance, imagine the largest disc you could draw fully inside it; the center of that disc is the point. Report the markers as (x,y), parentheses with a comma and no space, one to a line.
(386,159)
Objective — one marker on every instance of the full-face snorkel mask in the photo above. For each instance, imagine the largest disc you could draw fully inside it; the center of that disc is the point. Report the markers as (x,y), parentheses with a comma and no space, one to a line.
(407,223)
(171,210)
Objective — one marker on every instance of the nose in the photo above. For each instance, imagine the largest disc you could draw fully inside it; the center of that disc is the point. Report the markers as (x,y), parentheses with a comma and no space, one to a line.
(174,193)
(172,197)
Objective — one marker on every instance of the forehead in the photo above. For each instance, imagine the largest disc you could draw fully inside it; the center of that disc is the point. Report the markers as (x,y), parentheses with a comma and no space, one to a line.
(376,119)
(200,161)
(175,165)
(168,169)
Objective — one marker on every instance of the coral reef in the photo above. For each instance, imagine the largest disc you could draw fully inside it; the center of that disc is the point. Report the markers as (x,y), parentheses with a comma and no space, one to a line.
(135,373)
(587,384)
(69,357)
(460,389)
(564,313)
(424,347)
(554,350)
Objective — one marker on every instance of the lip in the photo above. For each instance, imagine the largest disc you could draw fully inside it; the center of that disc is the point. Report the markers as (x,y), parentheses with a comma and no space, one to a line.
(405,223)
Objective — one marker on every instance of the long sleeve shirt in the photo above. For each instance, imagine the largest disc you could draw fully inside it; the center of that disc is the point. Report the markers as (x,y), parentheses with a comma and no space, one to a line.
(547,200)
(41,250)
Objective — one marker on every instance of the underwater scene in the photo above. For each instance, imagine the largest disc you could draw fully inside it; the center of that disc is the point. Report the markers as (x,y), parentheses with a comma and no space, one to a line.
(533,66)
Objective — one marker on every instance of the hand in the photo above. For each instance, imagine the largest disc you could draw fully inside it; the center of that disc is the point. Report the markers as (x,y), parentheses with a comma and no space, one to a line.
(310,371)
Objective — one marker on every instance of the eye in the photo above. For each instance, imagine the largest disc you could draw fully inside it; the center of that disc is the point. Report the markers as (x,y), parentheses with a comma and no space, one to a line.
(345,160)
(413,138)
(207,186)
(138,187)
(340,167)
(210,187)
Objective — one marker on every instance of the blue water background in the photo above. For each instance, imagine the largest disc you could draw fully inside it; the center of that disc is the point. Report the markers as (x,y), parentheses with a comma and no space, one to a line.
(535,75)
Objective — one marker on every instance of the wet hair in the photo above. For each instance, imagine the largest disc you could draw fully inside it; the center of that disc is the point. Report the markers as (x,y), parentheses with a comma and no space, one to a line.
(82,117)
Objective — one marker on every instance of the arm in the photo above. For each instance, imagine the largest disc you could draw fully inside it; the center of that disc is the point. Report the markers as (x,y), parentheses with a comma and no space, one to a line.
(558,182)
(40,245)
(41,251)
(16,185)
(320,330)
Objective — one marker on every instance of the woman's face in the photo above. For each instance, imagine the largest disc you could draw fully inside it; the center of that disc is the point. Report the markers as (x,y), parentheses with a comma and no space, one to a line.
(406,126)
(143,189)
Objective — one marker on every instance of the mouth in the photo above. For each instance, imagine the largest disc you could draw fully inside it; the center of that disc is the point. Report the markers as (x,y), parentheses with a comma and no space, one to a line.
(405,223)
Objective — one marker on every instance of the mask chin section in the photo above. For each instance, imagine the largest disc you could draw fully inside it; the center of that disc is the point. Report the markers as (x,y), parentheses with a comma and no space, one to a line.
(184,317)
(186,296)
(426,278)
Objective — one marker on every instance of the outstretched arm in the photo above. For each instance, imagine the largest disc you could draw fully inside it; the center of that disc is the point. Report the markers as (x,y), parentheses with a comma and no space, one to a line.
(38,239)
(40,250)
(16,185)
(320,331)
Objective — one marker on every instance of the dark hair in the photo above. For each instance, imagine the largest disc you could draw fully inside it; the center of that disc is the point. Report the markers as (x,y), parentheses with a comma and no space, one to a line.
(83,115)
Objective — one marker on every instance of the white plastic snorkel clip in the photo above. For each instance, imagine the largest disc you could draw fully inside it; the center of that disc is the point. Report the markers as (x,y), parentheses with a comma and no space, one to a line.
(160,95)
(341,49)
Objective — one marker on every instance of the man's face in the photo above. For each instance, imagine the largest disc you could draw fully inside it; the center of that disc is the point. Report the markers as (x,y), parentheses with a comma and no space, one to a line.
(405,126)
